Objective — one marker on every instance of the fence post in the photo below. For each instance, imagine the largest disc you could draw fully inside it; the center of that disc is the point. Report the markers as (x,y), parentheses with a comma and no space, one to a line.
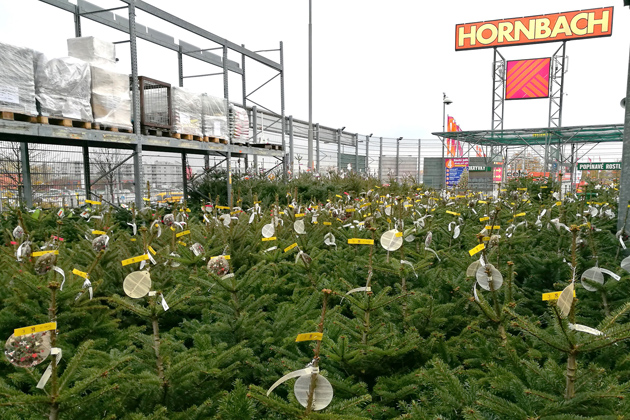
(317,144)
(26,175)
(380,161)
(397,158)
(356,152)
(184,177)
(291,151)
(338,151)
(367,155)
(419,158)
(255,134)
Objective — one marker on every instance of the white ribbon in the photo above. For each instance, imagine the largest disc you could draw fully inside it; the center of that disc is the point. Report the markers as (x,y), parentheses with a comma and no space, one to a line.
(88,284)
(411,265)
(296,373)
(271,249)
(610,273)
(475,292)
(18,253)
(135,228)
(584,328)
(164,304)
(55,351)
(60,271)
(431,250)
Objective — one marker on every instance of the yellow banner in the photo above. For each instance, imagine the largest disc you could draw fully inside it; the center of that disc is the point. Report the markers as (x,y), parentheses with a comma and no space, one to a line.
(35,329)
(139,258)
(314,336)
(476,249)
(553,295)
(359,241)
(290,247)
(40,253)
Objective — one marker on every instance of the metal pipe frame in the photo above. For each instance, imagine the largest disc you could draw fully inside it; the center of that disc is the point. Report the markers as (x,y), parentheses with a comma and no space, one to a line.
(137,158)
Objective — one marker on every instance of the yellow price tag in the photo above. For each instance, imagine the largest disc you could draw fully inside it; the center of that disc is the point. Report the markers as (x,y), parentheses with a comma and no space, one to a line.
(80,273)
(152,250)
(519,215)
(559,203)
(273,238)
(350,210)
(338,196)
(98,232)
(476,249)
(35,329)
(359,241)
(93,202)
(139,258)
(398,234)
(40,253)
(486,238)
(493,227)
(315,336)
(452,212)
(290,247)
(299,215)
(484,219)
(327,224)
(522,189)
(133,239)
(223,207)
(227,257)
(553,295)
(482,202)
(365,205)
(184,233)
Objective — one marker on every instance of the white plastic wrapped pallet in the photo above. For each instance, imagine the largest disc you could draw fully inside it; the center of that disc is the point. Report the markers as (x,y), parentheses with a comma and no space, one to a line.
(63,87)
(93,50)
(239,124)
(186,111)
(111,102)
(214,116)
(17,80)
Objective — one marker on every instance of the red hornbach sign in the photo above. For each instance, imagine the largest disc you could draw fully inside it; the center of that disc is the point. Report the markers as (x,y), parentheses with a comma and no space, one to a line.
(564,26)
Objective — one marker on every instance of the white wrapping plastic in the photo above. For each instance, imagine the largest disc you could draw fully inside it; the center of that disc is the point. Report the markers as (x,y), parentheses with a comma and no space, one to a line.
(214,116)
(63,87)
(186,111)
(239,124)
(111,102)
(93,51)
(17,80)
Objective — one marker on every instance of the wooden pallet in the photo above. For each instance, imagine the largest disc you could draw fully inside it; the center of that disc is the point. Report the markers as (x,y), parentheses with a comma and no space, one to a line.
(183,136)
(158,132)
(97,126)
(217,140)
(64,122)
(266,146)
(15,116)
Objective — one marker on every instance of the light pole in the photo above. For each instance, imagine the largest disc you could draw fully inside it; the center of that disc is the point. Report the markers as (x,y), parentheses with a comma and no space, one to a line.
(445,101)
(310,87)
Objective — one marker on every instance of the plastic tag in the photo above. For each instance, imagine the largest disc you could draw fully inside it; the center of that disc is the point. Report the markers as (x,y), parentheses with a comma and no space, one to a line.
(80,273)
(290,247)
(35,329)
(55,351)
(476,249)
(40,253)
(139,258)
(273,238)
(359,241)
(314,336)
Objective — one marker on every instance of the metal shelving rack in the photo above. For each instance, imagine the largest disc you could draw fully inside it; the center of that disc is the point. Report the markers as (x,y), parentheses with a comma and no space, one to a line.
(26,133)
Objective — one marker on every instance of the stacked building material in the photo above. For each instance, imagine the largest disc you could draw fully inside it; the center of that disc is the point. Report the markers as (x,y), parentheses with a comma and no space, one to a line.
(17,80)
(63,87)
(187,112)
(239,124)
(214,113)
(111,103)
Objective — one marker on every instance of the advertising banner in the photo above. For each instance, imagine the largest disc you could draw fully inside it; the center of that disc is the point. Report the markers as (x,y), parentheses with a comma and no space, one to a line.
(599,166)
(563,26)
(454,170)
(527,79)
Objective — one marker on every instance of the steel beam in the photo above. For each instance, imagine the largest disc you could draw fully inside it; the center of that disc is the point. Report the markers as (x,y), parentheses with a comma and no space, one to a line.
(228,157)
(255,134)
(184,176)
(291,146)
(624,177)
(317,149)
(284,146)
(380,160)
(137,159)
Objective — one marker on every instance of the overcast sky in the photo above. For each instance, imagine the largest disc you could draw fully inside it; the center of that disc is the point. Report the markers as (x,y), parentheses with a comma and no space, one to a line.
(379,67)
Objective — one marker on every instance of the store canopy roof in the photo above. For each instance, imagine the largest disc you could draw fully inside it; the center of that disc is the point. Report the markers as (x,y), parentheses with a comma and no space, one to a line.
(538,136)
